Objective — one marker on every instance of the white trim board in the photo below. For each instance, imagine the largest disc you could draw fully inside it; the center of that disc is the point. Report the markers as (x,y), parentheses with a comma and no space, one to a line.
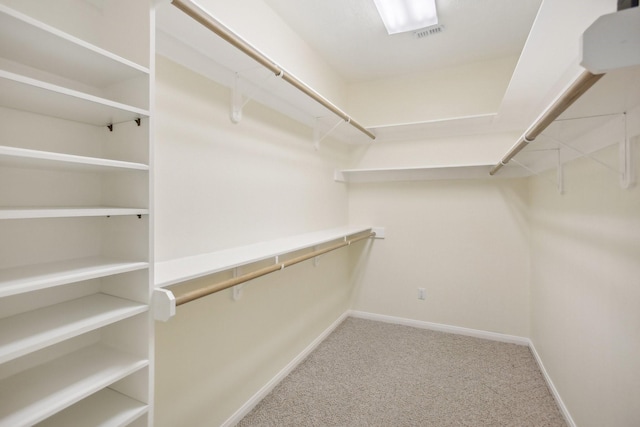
(494,336)
(552,388)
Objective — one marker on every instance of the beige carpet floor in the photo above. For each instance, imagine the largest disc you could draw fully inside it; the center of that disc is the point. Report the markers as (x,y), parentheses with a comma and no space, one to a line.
(370,373)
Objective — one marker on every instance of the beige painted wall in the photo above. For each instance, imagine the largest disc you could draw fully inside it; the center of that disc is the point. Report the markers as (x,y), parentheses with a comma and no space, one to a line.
(467,90)
(465,242)
(220,185)
(585,290)
(443,151)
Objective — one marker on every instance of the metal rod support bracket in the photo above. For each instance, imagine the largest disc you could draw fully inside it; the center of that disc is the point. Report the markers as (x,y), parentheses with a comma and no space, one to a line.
(237,289)
(316,260)
(560,173)
(317,137)
(628,175)
(164,304)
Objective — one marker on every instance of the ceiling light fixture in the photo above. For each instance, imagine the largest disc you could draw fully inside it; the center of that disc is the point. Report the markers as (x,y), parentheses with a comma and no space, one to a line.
(400,16)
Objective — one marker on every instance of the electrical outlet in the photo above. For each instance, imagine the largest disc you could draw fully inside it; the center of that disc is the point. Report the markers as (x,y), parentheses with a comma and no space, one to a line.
(422,293)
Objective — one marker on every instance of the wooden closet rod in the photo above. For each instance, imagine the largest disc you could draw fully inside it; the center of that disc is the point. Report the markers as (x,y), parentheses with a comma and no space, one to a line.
(209,22)
(575,91)
(217,287)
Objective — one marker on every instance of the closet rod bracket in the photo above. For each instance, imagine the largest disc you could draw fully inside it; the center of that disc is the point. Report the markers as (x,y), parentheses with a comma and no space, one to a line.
(164,304)
(237,289)
(317,131)
(627,166)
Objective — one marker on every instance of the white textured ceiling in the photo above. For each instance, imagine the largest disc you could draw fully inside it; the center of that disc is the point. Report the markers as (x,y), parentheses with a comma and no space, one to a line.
(351,37)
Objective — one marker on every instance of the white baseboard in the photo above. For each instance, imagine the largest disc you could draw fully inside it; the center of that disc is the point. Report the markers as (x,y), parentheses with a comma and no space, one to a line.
(267,388)
(552,387)
(494,336)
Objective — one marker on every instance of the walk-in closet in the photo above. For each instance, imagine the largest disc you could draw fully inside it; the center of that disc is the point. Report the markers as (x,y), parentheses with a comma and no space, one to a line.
(279,212)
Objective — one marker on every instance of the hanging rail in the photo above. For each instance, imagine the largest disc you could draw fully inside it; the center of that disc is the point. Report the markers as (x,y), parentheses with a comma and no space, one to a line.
(220,286)
(575,91)
(197,13)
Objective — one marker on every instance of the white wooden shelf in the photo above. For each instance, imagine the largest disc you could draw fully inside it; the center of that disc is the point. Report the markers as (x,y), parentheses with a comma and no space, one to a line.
(27,94)
(27,332)
(26,399)
(22,157)
(104,408)
(182,269)
(419,173)
(60,75)
(29,278)
(178,37)
(30,42)
(67,212)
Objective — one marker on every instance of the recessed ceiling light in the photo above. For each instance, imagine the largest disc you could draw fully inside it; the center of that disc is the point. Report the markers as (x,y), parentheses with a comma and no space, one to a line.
(400,16)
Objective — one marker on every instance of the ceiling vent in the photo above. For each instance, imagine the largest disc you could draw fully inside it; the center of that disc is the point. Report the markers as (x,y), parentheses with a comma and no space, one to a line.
(429,31)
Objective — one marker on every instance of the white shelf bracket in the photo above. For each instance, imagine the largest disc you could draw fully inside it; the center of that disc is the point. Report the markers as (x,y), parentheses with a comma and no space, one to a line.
(236,100)
(317,132)
(625,170)
(534,172)
(237,289)
(628,176)
(560,174)
(163,304)
(380,232)
(316,260)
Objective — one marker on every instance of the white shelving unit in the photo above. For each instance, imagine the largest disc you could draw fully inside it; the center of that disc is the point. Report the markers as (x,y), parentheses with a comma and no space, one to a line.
(106,407)
(30,278)
(604,116)
(75,283)
(180,38)
(26,399)
(181,270)
(25,213)
(21,157)
(417,173)
(27,332)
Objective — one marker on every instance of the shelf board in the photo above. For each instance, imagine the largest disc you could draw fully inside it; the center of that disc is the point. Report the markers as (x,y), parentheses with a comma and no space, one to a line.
(181,39)
(67,212)
(30,42)
(29,278)
(27,332)
(182,269)
(21,157)
(27,94)
(425,173)
(26,399)
(104,408)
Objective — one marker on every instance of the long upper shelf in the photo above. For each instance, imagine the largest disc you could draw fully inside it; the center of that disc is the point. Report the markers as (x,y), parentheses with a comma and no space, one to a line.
(182,269)
(29,278)
(104,408)
(183,40)
(26,399)
(68,212)
(22,157)
(30,42)
(27,94)
(418,173)
(27,332)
